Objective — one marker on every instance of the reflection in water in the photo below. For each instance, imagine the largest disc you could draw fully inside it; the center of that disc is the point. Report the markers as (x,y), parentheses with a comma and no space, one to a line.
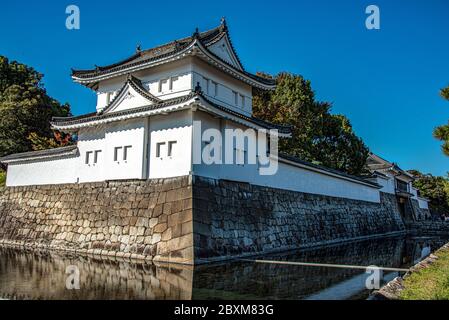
(33,275)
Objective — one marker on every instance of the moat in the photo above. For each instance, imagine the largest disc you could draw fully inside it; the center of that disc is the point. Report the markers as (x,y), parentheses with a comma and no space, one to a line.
(42,275)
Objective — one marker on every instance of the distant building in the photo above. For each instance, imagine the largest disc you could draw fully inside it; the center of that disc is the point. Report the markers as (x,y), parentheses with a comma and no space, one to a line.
(396,181)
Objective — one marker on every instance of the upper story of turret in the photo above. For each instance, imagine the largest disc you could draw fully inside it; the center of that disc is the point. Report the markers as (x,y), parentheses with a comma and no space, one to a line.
(205,59)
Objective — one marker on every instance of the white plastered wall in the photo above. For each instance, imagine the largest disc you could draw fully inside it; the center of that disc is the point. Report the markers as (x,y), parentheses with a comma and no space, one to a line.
(42,172)
(181,77)
(179,73)
(423,203)
(388,185)
(289,176)
(129,134)
(175,128)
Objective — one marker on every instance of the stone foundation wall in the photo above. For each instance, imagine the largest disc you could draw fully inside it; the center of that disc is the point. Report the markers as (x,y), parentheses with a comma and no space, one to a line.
(237,219)
(430,228)
(130,219)
(185,220)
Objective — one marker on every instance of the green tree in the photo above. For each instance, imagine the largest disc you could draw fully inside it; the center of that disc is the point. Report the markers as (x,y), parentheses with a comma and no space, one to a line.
(25,109)
(318,136)
(445,93)
(2,178)
(58,140)
(442,132)
(436,189)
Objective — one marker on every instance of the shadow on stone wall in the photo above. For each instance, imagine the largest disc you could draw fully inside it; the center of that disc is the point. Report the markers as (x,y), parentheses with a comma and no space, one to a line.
(237,219)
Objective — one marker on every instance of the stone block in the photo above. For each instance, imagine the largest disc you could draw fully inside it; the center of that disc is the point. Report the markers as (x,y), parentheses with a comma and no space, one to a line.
(160,228)
(161,198)
(157,211)
(153,222)
(132,231)
(180,243)
(186,228)
(142,222)
(167,208)
(166,235)
(156,238)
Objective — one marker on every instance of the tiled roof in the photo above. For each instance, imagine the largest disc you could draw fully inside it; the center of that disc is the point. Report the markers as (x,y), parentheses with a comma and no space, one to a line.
(41,153)
(260,122)
(206,38)
(68,121)
(99,116)
(375,162)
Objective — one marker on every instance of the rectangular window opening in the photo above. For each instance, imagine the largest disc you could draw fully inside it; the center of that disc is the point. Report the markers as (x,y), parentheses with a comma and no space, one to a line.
(126,152)
(159,146)
(206,88)
(88,153)
(236,98)
(96,153)
(162,84)
(116,153)
(170,148)
(242,99)
(172,82)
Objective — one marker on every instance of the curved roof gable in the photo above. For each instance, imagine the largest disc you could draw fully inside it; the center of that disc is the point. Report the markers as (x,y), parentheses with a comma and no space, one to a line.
(223,49)
(377,163)
(216,43)
(131,95)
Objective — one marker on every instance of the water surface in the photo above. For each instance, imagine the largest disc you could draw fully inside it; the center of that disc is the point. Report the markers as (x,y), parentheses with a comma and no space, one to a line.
(42,275)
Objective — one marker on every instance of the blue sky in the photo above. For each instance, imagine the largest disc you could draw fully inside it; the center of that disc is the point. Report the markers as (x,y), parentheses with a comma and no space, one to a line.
(386,81)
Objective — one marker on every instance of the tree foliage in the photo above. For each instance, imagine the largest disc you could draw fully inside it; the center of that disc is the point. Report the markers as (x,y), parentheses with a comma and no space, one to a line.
(2,178)
(25,109)
(318,135)
(445,93)
(442,132)
(41,143)
(436,189)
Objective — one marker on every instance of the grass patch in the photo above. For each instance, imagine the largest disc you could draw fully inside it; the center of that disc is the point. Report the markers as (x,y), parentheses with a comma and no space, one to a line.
(2,178)
(431,283)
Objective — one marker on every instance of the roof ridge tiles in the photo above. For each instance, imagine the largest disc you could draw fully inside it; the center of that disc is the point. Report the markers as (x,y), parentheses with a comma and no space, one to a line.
(146,51)
(143,58)
(42,153)
(285,129)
